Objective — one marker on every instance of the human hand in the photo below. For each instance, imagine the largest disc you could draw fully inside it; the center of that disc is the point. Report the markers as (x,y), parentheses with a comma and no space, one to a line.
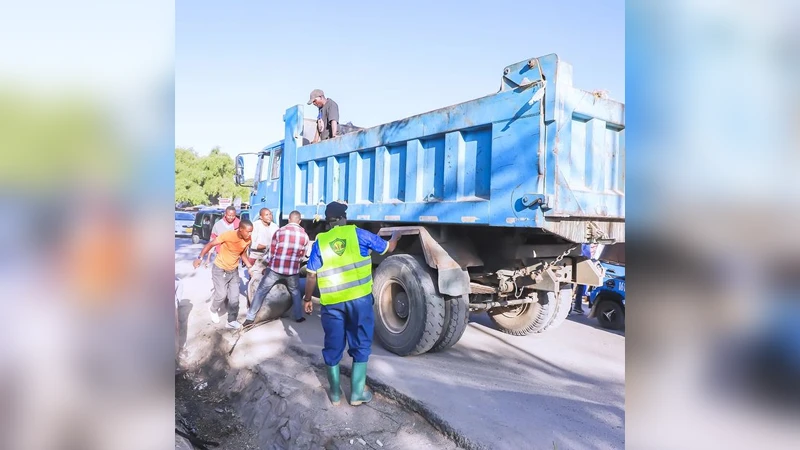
(196,263)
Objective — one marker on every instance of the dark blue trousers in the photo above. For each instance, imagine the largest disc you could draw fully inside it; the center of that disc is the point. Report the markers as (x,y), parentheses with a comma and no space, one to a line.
(354,321)
(580,291)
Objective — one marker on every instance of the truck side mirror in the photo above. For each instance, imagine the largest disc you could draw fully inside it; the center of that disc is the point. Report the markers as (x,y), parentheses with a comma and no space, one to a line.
(239,176)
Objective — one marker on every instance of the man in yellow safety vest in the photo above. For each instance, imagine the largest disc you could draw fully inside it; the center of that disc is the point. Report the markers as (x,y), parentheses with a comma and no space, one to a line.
(340,262)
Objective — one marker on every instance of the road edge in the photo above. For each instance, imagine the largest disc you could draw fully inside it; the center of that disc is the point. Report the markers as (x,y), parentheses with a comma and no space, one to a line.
(412,404)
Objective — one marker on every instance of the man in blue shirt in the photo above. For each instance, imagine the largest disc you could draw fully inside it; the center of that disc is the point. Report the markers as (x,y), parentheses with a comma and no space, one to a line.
(591,251)
(340,260)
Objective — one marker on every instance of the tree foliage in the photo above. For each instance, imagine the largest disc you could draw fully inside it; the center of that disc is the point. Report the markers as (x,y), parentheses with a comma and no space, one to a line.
(202,180)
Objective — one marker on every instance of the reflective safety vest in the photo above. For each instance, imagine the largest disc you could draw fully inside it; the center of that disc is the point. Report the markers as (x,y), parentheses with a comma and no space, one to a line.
(345,274)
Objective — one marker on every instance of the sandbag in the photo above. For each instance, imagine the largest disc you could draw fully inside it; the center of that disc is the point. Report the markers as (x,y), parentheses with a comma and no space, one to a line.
(277,303)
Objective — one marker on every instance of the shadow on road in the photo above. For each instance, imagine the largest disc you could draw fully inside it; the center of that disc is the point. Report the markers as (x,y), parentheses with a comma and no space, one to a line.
(585,320)
(482,318)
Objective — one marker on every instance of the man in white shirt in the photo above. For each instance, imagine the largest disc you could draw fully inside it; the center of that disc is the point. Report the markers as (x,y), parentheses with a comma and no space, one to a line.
(263,231)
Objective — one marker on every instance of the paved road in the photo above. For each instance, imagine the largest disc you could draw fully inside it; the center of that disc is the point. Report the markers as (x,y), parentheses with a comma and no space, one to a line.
(565,386)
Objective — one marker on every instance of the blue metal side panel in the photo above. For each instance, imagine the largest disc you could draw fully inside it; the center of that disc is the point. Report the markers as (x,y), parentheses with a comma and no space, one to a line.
(589,156)
(365,177)
(437,167)
(395,175)
(477,162)
(514,163)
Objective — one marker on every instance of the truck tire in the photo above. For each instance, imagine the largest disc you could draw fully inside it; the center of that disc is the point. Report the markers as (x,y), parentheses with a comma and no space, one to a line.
(563,306)
(456,315)
(525,319)
(409,313)
(610,314)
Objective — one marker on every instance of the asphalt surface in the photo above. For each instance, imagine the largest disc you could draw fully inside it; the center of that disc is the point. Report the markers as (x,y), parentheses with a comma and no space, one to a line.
(562,389)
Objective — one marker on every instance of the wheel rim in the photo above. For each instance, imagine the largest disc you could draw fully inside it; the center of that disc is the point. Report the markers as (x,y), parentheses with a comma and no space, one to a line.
(395,306)
(515,311)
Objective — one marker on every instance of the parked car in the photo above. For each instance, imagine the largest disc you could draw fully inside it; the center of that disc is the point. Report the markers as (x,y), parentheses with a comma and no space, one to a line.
(184,223)
(607,302)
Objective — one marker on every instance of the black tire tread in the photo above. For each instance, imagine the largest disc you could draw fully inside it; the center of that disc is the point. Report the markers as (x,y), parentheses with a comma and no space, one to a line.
(533,320)
(608,300)
(412,268)
(457,319)
(563,306)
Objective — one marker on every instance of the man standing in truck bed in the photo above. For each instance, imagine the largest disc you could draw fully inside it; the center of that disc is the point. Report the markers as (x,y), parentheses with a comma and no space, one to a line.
(340,260)
(328,118)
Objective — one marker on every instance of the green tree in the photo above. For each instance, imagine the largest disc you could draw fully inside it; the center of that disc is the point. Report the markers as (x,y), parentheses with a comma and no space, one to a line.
(203,180)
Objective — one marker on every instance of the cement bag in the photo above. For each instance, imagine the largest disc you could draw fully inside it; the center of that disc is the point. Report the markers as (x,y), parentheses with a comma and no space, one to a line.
(277,303)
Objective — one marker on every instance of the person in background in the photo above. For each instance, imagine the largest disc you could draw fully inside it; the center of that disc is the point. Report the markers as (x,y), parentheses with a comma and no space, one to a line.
(286,252)
(225,273)
(227,222)
(591,251)
(340,261)
(263,230)
(328,117)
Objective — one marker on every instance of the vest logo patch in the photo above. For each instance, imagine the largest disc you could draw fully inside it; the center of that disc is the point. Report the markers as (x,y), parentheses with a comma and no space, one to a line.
(338,246)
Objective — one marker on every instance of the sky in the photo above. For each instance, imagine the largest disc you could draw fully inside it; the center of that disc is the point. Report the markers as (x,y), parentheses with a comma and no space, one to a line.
(240,65)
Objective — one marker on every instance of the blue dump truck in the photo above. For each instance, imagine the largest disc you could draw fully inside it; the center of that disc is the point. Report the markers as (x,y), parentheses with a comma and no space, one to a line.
(493,196)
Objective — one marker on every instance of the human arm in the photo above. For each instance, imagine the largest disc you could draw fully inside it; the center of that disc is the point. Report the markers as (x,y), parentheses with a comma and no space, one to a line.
(333,118)
(314,264)
(393,241)
(246,260)
(370,241)
(211,244)
(311,284)
(260,245)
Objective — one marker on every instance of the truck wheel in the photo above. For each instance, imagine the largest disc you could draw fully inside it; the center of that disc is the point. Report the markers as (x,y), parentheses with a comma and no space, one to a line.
(522,320)
(610,314)
(563,305)
(195,239)
(456,319)
(409,313)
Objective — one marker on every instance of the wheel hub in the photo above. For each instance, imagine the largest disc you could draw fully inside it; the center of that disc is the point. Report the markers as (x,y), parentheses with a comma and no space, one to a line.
(401,305)
(394,306)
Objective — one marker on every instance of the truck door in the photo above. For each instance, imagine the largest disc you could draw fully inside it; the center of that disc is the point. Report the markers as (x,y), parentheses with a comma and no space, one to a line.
(268,189)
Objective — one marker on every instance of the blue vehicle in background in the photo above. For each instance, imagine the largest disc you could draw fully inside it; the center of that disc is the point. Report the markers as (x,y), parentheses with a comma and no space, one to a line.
(607,301)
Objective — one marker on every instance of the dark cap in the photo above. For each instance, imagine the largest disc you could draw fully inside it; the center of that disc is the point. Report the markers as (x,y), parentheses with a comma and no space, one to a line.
(314,94)
(335,210)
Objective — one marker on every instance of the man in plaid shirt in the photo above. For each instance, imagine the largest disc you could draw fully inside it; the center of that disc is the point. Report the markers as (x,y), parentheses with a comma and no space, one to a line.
(288,248)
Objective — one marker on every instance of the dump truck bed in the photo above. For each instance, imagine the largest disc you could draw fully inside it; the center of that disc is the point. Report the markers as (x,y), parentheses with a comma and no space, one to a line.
(537,154)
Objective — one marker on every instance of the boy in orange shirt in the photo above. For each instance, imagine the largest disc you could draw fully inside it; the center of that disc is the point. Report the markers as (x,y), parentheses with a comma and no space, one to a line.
(225,273)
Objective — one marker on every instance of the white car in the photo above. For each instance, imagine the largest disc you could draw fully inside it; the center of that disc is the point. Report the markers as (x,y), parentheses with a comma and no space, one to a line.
(184,221)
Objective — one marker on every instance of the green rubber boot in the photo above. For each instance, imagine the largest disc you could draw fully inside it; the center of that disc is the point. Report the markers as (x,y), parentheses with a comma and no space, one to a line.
(359,393)
(334,391)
